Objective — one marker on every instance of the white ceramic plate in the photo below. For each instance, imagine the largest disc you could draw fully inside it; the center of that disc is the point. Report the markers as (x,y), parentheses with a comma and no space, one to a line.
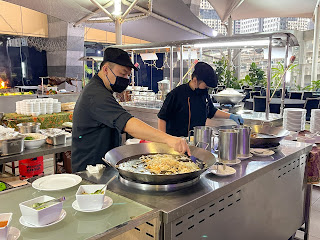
(219,171)
(261,152)
(243,158)
(13,234)
(107,202)
(26,224)
(56,182)
(229,163)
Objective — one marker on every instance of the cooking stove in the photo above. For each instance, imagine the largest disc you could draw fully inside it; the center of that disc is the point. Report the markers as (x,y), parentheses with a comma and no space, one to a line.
(157,187)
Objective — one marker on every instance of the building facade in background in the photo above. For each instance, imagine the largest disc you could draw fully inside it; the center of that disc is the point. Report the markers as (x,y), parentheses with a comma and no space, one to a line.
(208,15)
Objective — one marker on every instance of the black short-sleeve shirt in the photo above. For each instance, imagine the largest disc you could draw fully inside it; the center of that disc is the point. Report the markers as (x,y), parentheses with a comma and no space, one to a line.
(175,110)
(98,120)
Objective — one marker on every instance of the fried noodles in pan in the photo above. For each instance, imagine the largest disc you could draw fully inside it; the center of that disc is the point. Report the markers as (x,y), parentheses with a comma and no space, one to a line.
(160,164)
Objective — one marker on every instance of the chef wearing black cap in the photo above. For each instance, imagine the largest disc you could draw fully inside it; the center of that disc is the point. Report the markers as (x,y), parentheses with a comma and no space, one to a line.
(99,120)
(189,105)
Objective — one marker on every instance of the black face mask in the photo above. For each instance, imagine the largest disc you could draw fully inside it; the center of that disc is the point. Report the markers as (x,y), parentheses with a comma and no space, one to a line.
(201,92)
(120,84)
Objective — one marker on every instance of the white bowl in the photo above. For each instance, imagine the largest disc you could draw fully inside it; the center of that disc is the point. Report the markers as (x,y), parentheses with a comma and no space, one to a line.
(90,201)
(36,143)
(40,217)
(4,230)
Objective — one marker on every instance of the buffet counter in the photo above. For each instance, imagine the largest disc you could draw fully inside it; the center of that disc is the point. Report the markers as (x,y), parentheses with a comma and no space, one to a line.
(149,116)
(265,199)
(114,222)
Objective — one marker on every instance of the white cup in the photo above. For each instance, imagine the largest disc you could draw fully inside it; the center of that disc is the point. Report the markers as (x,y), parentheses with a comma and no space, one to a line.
(5,230)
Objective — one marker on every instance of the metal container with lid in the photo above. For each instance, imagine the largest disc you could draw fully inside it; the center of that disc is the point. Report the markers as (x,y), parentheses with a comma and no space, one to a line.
(11,146)
(228,143)
(243,149)
(29,127)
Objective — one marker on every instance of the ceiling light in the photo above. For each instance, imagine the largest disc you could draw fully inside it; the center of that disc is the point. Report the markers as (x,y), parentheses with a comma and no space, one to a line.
(117,8)
(214,33)
(233,44)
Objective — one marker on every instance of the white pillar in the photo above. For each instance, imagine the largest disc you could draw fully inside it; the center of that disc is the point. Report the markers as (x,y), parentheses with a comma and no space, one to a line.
(118,24)
(268,79)
(315,53)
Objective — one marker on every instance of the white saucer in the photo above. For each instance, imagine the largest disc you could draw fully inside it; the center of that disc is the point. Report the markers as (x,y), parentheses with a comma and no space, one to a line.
(261,152)
(243,158)
(13,234)
(106,203)
(222,173)
(230,163)
(26,224)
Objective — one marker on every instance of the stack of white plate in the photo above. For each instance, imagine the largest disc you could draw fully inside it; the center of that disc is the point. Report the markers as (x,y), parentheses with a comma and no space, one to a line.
(56,107)
(315,121)
(294,119)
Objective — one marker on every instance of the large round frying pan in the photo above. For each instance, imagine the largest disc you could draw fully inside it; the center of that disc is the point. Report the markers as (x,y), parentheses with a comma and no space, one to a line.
(267,135)
(126,153)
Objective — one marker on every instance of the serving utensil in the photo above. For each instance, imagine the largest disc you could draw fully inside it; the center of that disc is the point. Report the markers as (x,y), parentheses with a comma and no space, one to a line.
(105,186)
(37,206)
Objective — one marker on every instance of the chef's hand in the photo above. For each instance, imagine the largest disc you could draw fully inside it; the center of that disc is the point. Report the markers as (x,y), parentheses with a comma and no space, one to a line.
(179,144)
(238,119)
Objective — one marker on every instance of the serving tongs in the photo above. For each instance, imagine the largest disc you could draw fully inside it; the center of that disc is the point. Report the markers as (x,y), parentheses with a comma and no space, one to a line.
(38,206)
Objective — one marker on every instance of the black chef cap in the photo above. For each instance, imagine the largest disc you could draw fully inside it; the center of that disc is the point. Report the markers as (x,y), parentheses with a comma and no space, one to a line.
(118,56)
(203,71)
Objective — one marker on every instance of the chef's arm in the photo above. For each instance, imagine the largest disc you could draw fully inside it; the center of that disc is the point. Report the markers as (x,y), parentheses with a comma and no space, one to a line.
(162,125)
(222,114)
(141,130)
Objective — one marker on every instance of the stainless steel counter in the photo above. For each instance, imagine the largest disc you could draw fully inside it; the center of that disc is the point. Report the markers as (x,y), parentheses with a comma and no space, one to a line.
(263,200)
(31,153)
(149,115)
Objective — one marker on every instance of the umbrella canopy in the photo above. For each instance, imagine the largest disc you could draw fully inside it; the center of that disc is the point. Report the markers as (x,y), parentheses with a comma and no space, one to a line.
(243,9)
(149,28)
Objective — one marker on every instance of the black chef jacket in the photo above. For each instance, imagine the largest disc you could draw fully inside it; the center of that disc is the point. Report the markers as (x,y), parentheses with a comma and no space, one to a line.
(175,110)
(98,120)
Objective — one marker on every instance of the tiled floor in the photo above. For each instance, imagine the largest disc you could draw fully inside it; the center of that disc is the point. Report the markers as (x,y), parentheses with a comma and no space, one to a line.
(315,216)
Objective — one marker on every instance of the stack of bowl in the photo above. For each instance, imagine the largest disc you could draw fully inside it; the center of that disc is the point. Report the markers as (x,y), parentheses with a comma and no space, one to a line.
(294,119)
(314,121)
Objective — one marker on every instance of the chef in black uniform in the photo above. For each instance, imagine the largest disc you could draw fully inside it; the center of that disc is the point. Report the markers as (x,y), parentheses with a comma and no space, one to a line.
(99,120)
(189,105)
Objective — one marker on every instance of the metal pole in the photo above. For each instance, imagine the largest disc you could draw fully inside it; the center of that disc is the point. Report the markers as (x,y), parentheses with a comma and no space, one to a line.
(181,64)
(200,54)
(268,79)
(316,36)
(132,70)
(189,62)
(229,50)
(171,68)
(118,31)
(283,94)
(92,67)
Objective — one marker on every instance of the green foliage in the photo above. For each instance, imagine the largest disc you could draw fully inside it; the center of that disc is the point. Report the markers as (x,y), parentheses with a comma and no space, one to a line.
(256,76)
(315,85)
(278,71)
(226,77)
(87,70)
